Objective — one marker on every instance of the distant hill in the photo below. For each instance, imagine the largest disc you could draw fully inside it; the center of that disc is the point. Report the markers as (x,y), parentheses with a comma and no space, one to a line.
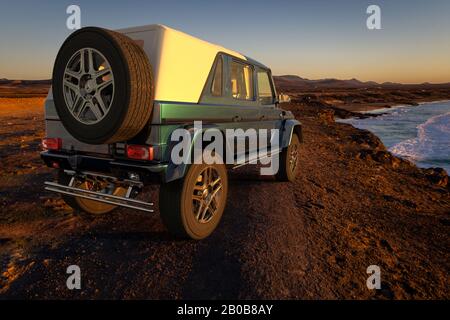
(285,82)
(298,83)
(23,88)
(5,81)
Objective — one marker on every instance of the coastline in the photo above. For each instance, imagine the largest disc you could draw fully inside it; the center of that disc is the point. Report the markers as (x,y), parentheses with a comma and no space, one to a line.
(368,109)
(375,111)
(348,101)
(411,148)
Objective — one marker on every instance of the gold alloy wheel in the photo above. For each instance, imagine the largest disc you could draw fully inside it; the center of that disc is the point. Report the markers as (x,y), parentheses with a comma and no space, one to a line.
(192,207)
(96,207)
(293,157)
(207,194)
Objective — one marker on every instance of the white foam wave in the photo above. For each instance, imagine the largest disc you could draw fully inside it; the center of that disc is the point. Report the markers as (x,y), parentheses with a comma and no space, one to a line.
(432,141)
(386,110)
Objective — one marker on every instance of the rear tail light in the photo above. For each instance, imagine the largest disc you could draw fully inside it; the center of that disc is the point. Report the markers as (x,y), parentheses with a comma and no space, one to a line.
(139,152)
(55,164)
(52,143)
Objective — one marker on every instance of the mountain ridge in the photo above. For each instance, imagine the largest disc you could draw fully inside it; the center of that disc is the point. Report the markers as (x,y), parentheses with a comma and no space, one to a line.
(297,82)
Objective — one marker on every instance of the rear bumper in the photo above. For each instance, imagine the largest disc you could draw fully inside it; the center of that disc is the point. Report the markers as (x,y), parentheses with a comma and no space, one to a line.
(120,168)
(122,201)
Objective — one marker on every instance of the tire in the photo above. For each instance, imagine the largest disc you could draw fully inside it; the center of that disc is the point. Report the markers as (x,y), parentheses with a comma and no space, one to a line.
(90,207)
(178,207)
(289,168)
(110,100)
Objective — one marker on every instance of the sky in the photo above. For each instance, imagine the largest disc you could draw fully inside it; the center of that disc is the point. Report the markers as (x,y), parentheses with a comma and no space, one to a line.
(312,39)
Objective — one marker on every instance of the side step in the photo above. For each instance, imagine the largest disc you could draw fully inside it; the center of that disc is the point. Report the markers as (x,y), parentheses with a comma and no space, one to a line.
(100,197)
(254,157)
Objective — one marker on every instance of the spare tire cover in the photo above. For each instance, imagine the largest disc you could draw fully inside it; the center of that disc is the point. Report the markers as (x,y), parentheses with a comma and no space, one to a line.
(102,86)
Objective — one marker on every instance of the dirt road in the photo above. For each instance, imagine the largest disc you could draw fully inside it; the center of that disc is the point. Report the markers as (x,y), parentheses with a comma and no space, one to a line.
(351,207)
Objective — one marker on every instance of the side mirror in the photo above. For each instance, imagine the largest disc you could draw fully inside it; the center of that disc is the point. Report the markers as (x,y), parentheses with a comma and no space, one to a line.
(284,98)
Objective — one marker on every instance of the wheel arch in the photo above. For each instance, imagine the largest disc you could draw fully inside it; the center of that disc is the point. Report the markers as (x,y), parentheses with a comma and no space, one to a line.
(291,126)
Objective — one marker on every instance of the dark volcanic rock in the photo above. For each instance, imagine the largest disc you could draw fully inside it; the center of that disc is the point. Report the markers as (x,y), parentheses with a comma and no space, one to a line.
(326,116)
(437,176)
(313,101)
(367,140)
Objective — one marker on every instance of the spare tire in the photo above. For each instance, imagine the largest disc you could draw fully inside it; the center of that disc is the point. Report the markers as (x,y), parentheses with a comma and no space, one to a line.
(102,86)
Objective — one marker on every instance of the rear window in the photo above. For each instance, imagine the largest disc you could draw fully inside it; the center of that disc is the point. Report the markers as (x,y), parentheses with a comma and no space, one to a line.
(241,81)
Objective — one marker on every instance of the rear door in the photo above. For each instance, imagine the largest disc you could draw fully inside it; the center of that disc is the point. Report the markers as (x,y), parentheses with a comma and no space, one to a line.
(242,92)
(269,115)
(230,100)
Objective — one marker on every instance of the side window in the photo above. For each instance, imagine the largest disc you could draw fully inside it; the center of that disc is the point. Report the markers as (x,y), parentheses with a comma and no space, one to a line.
(241,81)
(216,86)
(265,92)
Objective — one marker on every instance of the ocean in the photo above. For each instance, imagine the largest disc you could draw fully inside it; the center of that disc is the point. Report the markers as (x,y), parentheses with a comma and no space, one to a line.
(420,134)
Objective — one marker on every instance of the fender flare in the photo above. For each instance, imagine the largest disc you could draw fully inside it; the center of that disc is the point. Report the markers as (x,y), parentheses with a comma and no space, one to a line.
(289,127)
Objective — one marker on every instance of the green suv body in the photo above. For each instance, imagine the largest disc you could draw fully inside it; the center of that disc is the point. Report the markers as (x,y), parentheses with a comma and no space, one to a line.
(118,97)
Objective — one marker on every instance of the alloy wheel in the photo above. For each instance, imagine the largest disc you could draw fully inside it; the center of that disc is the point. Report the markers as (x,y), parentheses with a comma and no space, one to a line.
(207,194)
(88,84)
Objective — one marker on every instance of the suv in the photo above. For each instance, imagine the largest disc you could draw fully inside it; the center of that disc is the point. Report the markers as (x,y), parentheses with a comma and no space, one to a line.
(117,97)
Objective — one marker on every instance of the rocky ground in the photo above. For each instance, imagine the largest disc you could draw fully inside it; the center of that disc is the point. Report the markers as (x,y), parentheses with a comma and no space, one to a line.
(353,205)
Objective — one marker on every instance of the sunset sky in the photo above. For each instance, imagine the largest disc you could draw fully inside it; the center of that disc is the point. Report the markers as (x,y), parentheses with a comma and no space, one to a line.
(312,39)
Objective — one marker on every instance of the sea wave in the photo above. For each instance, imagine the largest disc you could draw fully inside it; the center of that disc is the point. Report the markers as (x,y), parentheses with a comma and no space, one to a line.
(432,141)
(386,109)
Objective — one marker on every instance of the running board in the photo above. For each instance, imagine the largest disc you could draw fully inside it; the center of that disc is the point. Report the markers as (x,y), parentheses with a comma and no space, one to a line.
(100,197)
(254,159)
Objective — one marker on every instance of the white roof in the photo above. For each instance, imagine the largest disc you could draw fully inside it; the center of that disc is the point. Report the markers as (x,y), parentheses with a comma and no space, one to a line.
(181,63)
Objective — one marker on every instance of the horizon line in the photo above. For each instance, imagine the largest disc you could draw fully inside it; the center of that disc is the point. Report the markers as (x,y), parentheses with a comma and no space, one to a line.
(295,75)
